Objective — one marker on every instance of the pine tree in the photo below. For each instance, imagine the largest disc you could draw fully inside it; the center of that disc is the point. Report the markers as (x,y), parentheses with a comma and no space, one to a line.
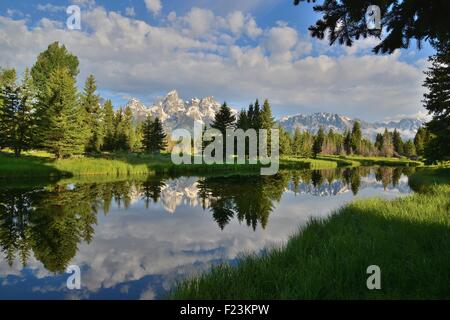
(147,133)
(125,135)
(9,95)
(409,149)
(297,143)
(388,147)
(356,137)
(8,78)
(158,137)
(318,142)
(403,21)
(437,102)
(251,116)
(120,138)
(285,142)
(348,142)
(267,120)
(17,113)
(154,140)
(90,102)
(25,119)
(224,119)
(379,142)
(420,140)
(109,128)
(54,57)
(63,132)
(397,142)
(256,119)
(243,121)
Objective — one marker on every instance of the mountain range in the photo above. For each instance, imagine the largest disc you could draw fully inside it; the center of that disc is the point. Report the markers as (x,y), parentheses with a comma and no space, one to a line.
(175,113)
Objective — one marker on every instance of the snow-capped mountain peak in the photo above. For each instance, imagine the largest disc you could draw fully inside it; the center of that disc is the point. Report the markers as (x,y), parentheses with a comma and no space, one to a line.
(176,113)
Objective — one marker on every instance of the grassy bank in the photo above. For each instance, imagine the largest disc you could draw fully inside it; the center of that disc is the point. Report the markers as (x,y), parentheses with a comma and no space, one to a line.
(371,161)
(37,164)
(408,238)
(426,177)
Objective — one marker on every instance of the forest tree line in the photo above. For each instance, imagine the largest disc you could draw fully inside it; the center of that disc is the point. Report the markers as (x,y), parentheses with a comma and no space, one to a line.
(44,110)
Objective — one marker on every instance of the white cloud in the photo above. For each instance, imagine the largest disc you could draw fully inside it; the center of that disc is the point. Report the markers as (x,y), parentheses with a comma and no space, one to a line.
(154,6)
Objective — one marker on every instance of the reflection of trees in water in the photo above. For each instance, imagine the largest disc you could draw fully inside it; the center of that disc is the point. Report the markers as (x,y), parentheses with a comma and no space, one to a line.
(249,198)
(151,190)
(51,223)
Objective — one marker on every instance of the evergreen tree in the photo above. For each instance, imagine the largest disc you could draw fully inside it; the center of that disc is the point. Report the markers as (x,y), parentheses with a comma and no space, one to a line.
(251,116)
(63,132)
(224,119)
(267,120)
(403,21)
(17,113)
(8,80)
(297,143)
(9,95)
(158,137)
(120,139)
(379,142)
(243,121)
(356,137)
(90,102)
(285,141)
(348,142)
(56,56)
(409,149)
(420,140)
(147,133)
(437,102)
(25,121)
(388,147)
(256,119)
(318,142)
(397,142)
(153,136)
(53,58)
(109,128)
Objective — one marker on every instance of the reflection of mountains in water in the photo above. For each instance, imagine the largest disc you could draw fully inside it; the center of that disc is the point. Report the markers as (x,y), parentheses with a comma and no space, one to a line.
(338,187)
(186,190)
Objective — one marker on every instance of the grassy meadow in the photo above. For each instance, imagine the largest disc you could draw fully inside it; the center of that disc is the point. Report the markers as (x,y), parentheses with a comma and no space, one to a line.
(41,164)
(408,238)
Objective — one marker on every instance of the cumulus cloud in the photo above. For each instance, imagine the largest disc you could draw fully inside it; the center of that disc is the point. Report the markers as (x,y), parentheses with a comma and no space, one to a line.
(200,53)
(154,6)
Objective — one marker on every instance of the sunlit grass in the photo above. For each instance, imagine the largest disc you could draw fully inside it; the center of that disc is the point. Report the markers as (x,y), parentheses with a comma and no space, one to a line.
(43,164)
(408,238)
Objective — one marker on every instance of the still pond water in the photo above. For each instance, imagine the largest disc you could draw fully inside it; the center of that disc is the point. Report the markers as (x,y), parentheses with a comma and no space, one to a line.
(135,239)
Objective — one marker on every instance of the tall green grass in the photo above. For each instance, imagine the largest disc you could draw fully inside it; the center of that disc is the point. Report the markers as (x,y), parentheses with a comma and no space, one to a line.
(408,238)
(36,164)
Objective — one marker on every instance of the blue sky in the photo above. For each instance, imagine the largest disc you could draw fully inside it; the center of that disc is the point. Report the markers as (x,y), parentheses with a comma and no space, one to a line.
(234,50)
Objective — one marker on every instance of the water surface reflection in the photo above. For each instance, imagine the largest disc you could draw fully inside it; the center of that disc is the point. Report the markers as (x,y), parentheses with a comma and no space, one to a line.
(135,238)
